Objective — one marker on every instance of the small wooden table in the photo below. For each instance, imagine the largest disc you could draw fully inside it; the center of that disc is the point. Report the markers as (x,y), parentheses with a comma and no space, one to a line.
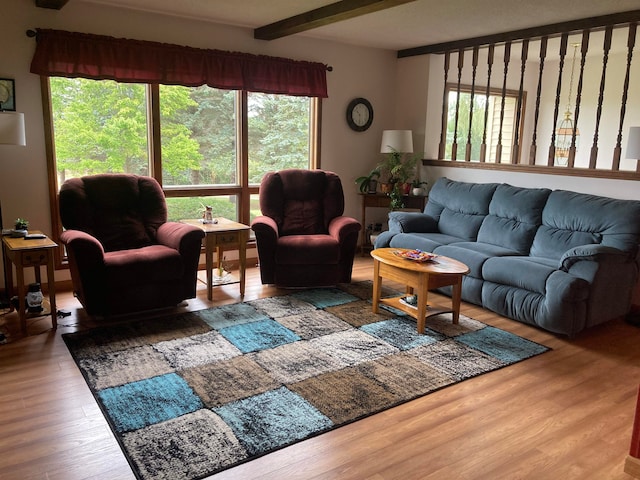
(218,236)
(422,277)
(31,253)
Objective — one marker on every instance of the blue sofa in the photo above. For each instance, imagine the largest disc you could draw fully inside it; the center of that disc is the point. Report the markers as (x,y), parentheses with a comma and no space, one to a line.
(560,260)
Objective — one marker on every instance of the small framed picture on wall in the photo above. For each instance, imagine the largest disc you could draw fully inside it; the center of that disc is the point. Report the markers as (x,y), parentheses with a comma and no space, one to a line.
(7,94)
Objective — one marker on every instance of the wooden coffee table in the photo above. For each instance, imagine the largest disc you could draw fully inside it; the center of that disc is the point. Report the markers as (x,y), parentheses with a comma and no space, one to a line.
(418,277)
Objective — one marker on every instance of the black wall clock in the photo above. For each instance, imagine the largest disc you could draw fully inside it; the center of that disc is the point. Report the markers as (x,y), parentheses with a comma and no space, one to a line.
(359,114)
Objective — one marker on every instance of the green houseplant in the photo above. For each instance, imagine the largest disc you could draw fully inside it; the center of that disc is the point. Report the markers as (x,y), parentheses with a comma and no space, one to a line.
(368,183)
(21,224)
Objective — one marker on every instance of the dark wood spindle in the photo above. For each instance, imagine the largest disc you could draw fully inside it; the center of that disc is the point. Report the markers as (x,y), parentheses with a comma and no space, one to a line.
(445,105)
(483,146)
(563,52)
(454,146)
(507,57)
(515,154)
(534,139)
(631,41)
(583,57)
(474,65)
(608,33)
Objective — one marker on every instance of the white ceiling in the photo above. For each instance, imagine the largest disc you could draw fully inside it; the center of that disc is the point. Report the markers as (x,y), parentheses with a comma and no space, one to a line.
(423,22)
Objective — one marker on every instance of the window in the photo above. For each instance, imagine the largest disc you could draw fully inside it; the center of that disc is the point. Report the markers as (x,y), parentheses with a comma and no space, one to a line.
(189,138)
(483,107)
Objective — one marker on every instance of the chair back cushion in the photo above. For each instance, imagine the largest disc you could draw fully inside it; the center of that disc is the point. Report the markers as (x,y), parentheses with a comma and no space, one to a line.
(302,202)
(122,211)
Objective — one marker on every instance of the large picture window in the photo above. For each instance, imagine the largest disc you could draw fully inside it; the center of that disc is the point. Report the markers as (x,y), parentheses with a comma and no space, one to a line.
(205,146)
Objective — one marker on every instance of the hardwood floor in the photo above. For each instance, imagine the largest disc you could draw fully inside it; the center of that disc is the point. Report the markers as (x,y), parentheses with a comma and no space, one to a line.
(566,414)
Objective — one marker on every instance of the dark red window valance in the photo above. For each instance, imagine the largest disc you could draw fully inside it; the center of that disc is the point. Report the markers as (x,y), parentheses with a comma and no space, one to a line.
(70,54)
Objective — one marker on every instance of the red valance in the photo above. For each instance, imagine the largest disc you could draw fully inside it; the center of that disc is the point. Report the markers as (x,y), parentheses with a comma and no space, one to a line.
(70,54)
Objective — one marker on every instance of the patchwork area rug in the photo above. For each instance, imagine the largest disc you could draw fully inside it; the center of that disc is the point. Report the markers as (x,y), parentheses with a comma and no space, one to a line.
(193,394)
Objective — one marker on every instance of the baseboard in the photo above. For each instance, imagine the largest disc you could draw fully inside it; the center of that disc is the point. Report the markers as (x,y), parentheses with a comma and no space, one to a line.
(632,466)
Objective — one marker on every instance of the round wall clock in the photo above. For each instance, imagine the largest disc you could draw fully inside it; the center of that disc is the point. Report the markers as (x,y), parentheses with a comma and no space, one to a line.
(359,114)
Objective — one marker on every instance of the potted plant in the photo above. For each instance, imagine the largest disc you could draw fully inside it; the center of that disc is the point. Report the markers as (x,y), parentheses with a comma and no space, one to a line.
(21,224)
(369,183)
(398,168)
(416,186)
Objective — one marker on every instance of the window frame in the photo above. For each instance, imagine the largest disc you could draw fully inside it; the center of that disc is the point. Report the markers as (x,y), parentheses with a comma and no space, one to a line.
(243,190)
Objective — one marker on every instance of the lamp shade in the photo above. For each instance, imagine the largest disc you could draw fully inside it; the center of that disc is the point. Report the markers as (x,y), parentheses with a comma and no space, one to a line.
(400,141)
(633,143)
(12,129)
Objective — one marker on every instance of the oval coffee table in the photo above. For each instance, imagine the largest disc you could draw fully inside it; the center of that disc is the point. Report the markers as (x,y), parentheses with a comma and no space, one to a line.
(418,277)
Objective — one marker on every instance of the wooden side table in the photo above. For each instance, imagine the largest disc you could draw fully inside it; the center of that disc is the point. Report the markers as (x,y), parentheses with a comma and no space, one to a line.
(383,200)
(220,236)
(30,253)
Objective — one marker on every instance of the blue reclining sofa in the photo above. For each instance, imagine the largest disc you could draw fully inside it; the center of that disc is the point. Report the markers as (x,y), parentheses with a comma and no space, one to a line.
(560,260)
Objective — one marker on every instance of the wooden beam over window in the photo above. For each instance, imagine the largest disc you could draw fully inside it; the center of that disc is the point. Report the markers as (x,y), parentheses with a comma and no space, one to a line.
(53,4)
(335,12)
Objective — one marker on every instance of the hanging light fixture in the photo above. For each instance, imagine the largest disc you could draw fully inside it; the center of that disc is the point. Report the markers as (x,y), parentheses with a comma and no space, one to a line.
(566,129)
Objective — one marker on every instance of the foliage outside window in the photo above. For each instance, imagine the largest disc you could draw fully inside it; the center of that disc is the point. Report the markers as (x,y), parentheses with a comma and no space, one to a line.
(483,107)
(106,127)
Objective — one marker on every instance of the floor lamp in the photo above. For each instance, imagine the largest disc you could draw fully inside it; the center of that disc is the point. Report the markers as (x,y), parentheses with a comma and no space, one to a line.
(11,133)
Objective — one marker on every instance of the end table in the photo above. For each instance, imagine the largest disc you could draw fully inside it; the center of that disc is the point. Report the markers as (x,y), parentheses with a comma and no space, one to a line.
(34,253)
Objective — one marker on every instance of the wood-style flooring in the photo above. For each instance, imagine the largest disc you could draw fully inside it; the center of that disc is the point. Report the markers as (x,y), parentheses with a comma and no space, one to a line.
(566,414)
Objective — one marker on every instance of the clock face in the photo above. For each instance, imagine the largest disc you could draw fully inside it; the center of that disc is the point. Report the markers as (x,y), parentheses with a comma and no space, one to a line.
(359,114)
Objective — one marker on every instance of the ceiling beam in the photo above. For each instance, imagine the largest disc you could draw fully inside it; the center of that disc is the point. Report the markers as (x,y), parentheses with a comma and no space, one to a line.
(534,32)
(53,4)
(322,16)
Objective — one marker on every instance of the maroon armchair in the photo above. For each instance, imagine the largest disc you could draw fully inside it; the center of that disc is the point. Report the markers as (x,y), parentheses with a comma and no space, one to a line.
(302,237)
(123,254)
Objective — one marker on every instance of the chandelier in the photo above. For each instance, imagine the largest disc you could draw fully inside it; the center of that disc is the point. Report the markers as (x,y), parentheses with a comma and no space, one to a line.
(566,129)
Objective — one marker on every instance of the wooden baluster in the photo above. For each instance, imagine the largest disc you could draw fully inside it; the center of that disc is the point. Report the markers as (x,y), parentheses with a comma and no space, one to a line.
(467,153)
(534,139)
(515,154)
(454,147)
(563,51)
(593,159)
(584,48)
(631,41)
(445,105)
(507,57)
(483,146)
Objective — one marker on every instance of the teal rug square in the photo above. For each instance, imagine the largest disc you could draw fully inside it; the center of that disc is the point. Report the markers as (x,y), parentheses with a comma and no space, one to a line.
(502,345)
(256,336)
(153,400)
(401,333)
(272,419)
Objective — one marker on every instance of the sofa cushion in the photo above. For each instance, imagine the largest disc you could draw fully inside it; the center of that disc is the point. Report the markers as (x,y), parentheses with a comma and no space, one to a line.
(572,219)
(514,216)
(426,242)
(519,272)
(459,207)
(473,254)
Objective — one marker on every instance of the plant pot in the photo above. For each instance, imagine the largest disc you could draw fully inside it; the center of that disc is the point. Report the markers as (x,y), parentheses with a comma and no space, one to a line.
(405,188)
(386,187)
(417,191)
(373,186)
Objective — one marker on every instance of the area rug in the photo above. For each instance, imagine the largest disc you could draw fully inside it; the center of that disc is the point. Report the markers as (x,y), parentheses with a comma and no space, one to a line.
(192,394)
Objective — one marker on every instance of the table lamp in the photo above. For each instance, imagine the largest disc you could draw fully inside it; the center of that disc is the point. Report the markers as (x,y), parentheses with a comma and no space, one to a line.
(633,146)
(396,141)
(11,133)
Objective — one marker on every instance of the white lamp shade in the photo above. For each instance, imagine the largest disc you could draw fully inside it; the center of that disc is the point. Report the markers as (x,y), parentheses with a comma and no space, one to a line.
(633,143)
(396,141)
(12,129)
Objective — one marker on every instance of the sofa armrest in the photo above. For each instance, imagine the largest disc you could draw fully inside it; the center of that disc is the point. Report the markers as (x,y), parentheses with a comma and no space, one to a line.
(341,227)
(181,237)
(86,250)
(417,222)
(594,253)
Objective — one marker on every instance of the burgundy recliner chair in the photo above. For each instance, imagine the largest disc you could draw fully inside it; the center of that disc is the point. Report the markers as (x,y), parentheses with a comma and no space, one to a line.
(302,237)
(123,254)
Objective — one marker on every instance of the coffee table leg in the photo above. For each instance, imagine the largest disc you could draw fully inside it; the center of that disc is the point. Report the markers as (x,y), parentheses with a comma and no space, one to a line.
(423,298)
(455,299)
(376,285)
